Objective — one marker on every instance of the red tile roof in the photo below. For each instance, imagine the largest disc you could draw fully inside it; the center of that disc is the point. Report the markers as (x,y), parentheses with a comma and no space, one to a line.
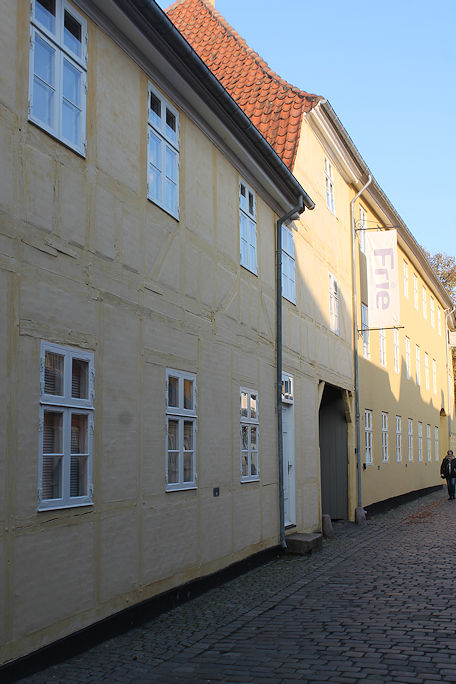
(274,106)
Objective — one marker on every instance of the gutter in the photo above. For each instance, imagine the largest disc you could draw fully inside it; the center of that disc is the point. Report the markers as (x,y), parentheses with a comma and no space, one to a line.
(297,210)
(355,337)
(155,25)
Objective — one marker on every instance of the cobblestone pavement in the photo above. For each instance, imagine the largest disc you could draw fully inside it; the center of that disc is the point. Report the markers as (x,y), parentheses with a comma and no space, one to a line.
(377,604)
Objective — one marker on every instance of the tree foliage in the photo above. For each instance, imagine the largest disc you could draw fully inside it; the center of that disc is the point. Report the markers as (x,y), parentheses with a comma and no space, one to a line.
(444,267)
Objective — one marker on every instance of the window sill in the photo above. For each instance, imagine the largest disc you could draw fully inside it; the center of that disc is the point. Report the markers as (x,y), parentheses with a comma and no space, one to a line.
(61,506)
(81,152)
(246,268)
(160,206)
(250,479)
(181,488)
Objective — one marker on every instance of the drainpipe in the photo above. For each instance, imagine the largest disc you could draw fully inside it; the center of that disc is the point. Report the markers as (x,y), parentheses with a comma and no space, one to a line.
(297,210)
(355,335)
(448,313)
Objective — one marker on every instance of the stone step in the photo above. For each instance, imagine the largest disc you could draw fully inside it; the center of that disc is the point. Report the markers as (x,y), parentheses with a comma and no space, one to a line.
(302,543)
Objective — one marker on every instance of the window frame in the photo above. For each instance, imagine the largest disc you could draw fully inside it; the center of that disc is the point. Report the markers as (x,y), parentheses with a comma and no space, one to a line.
(159,129)
(68,406)
(362,227)
(333,291)
(432,311)
(382,346)
(368,446)
(439,321)
(436,443)
(181,415)
(408,361)
(385,451)
(428,441)
(434,376)
(288,259)
(410,439)
(426,370)
(418,365)
(406,287)
(329,186)
(399,439)
(396,351)
(287,388)
(415,291)
(251,229)
(365,330)
(420,441)
(250,423)
(56,41)
(424,295)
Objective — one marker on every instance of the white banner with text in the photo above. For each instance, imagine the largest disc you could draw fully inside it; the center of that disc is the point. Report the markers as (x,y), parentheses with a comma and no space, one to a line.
(382,279)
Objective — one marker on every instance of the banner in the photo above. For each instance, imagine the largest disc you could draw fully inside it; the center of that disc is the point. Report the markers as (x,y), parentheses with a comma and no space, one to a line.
(382,279)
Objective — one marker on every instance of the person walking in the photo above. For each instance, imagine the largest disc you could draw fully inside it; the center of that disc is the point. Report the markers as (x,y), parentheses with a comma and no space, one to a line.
(448,471)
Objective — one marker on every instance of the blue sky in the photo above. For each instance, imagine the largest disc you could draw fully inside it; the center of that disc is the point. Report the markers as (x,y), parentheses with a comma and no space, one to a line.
(388,69)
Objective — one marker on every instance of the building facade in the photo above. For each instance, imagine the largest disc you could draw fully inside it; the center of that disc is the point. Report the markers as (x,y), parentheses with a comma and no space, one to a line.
(137,290)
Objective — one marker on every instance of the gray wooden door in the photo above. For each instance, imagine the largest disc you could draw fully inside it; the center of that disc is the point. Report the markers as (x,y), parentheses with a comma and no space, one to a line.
(333,454)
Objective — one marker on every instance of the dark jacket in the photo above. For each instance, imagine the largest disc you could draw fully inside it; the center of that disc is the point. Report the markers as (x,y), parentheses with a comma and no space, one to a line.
(448,467)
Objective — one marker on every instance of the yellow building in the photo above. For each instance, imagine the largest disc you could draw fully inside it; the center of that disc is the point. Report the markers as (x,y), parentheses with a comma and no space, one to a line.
(347,450)
(138,210)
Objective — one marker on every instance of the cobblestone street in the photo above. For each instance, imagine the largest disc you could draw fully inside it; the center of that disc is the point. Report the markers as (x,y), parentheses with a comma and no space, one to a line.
(377,604)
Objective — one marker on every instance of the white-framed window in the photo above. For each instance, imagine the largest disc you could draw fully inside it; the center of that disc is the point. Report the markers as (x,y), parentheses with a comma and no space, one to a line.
(181,419)
(439,321)
(434,376)
(426,370)
(287,388)
(385,436)
(288,265)
(162,152)
(396,351)
(368,437)
(418,365)
(66,427)
(432,311)
(424,302)
(382,338)
(436,444)
(415,291)
(333,304)
(405,279)
(362,229)
(407,357)
(428,439)
(58,71)
(420,440)
(365,330)
(410,439)
(329,185)
(247,227)
(249,435)
(398,438)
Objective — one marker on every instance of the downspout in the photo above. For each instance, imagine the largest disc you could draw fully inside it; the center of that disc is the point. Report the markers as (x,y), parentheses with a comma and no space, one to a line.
(448,313)
(297,210)
(355,336)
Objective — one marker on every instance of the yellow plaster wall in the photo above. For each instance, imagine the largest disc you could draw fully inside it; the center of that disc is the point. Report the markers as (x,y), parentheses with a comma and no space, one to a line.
(86,260)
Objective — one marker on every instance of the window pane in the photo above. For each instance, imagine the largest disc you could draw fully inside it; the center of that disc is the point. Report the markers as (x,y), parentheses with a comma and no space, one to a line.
(79,442)
(44,82)
(80,379)
(72,34)
(173,435)
(251,204)
(253,466)
(244,405)
(52,433)
(154,166)
(171,125)
(173,391)
(253,438)
(44,63)
(53,374)
(244,437)
(188,435)
(78,475)
(245,464)
(188,466)
(170,195)
(188,394)
(173,467)
(71,83)
(253,406)
(43,103)
(51,477)
(155,110)
(45,13)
